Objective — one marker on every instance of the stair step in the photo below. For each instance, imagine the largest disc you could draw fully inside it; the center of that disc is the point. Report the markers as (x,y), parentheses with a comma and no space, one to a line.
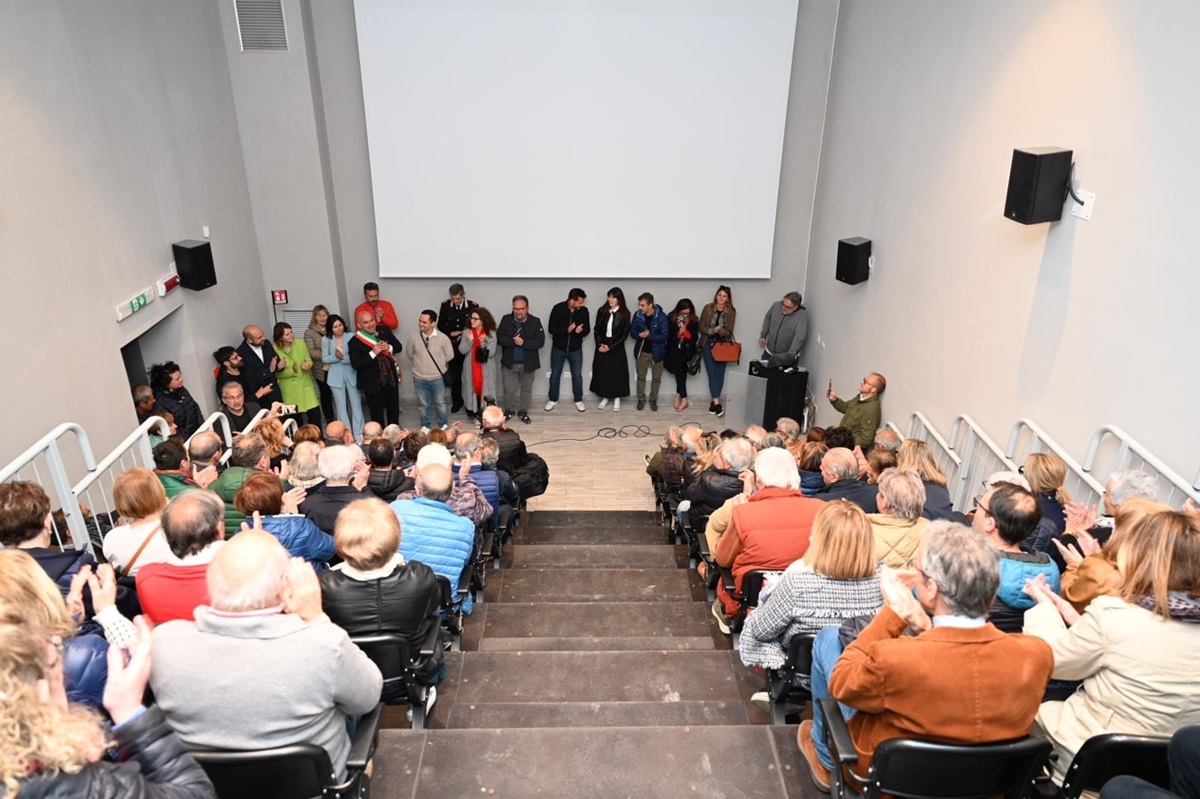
(612,556)
(591,534)
(592,585)
(675,761)
(658,620)
(594,714)
(627,643)
(663,676)
(543,518)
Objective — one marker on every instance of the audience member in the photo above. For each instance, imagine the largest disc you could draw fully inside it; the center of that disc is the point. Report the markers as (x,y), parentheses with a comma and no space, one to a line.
(375,590)
(174,471)
(279,446)
(878,461)
(381,311)
(194,526)
(712,487)
(520,336)
(1006,515)
(466,500)
(788,428)
(513,453)
(650,332)
(610,363)
(143,402)
(263,494)
(204,451)
(675,468)
(262,666)
(385,480)
(453,319)
(431,352)
(670,440)
(310,433)
(433,533)
(837,579)
(489,458)
(410,447)
(681,347)
(373,352)
(768,530)
(237,410)
(755,434)
(815,434)
(838,437)
(53,749)
(957,680)
(260,363)
(811,453)
(839,470)
(716,325)
(478,372)
(337,434)
(898,526)
(1092,570)
(304,469)
(372,431)
(861,415)
(139,499)
(887,439)
(772,441)
(341,377)
(171,396)
(784,329)
(1046,473)
(1136,653)
(569,325)
(293,373)
(345,476)
(1123,485)
(249,455)
(466,451)
(917,456)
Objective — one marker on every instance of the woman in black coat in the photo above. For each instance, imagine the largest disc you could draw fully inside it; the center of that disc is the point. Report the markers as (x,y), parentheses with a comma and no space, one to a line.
(681,346)
(610,366)
(171,396)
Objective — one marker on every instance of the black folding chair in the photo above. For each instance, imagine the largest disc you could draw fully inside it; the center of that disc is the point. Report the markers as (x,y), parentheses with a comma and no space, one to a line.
(1103,757)
(396,662)
(791,683)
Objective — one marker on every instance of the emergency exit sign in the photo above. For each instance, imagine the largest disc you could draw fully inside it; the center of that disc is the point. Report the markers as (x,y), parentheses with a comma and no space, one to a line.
(134,304)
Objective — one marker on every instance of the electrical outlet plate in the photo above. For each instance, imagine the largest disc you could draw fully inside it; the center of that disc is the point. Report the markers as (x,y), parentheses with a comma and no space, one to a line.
(1084,211)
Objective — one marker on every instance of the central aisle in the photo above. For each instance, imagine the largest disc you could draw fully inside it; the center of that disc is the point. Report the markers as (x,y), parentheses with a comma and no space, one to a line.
(594,669)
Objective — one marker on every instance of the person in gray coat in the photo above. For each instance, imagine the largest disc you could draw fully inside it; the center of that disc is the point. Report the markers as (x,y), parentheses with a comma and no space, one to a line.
(784,329)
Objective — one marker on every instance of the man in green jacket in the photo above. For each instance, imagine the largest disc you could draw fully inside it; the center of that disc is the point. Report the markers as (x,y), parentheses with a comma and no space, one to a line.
(861,415)
(174,470)
(249,456)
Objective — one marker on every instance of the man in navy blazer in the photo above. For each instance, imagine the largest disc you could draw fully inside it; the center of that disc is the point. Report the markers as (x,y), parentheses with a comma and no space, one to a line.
(259,357)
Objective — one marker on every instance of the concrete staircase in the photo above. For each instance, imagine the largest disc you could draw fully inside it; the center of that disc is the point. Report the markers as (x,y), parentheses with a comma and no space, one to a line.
(594,669)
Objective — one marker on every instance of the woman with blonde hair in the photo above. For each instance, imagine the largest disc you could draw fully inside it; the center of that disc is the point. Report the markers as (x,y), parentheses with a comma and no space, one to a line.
(1046,473)
(1136,653)
(50,748)
(837,579)
(139,498)
(279,446)
(808,456)
(917,456)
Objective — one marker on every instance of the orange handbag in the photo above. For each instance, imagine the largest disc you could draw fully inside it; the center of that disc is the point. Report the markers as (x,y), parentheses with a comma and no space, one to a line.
(727,352)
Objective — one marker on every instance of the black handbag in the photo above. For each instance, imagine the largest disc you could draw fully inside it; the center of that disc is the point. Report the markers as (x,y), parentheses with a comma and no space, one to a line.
(693,364)
(482,354)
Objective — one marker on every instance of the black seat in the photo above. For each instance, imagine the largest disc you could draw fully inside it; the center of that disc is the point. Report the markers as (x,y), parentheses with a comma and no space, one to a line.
(452,613)
(299,771)
(396,663)
(1103,757)
(928,770)
(747,597)
(791,683)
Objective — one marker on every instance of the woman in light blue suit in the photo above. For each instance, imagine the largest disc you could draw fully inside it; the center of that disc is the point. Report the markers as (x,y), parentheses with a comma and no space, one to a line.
(342,379)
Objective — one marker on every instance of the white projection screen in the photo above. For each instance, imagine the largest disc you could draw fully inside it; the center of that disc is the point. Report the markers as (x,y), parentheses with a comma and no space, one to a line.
(568,138)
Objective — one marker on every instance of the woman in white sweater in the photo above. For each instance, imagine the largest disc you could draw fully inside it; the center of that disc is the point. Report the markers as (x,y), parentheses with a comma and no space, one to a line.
(1135,653)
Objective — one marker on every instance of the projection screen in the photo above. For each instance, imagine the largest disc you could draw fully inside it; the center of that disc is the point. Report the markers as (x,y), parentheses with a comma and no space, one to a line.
(564,138)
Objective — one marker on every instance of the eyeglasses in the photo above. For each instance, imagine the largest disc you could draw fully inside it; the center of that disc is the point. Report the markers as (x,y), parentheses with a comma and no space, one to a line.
(978,504)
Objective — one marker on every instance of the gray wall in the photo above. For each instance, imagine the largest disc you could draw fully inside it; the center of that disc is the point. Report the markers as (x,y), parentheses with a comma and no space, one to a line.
(119,137)
(1074,324)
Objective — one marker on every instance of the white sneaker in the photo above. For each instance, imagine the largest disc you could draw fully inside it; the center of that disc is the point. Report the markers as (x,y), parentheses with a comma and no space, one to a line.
(425,430)
(430,698)
(579,406)
(603,403)
(550,405)
(616,404)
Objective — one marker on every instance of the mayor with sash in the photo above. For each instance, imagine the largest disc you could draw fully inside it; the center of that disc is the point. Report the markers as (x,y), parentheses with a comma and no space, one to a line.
(373,352)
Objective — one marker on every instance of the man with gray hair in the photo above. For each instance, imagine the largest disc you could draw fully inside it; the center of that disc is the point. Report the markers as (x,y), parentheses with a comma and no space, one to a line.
(768,530)
(788,428)
(194,525)
(720,482)
(467,451)
(432,532)
(1121,486)
(839,469)
(886,438)
(249,456)
(784,329)
(958,680)
(346,474)
(262,666)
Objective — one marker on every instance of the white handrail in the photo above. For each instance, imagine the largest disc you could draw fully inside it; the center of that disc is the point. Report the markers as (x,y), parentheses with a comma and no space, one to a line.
(43,444)
(1040,438)
(258,417)
(209,423)
(976,463)
(47,446)
(134,439)
(1131,445)
(920,419)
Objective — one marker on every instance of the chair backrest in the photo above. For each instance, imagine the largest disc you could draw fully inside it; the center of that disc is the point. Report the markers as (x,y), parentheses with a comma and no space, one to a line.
(923,769)
(392,655)
(752,584)
(1103,757)
(300,771)
(799,654)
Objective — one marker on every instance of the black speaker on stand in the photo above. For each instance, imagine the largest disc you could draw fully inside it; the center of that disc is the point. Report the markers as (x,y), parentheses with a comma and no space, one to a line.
(775,391)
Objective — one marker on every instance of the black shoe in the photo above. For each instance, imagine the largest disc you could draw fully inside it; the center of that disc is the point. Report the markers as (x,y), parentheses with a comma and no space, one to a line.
(712,408)
(720,411)
(458,406)
(654,405)
(524,417)
(641,405)
(509,413)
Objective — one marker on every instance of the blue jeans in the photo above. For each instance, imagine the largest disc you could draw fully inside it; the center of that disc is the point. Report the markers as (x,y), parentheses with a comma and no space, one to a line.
(716,374)
(827,648)
(432,392)
(575,358)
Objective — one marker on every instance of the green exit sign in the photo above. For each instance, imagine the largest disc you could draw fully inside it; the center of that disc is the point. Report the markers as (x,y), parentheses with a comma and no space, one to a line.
(128,308)
(139,302)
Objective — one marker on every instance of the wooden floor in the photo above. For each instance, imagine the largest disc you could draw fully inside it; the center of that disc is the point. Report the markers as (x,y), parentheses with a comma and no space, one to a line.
(595,457)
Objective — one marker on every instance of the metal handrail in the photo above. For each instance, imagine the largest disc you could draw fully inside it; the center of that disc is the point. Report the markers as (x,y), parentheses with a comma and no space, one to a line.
(1040,438)
(258,417)
(972,466)
(209,423)
(921,419)
(47,446)
(1130,445)
(138,438)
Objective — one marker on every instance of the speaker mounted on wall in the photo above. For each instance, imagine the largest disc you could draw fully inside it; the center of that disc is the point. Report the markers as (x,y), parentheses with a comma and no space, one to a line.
(194,264)
(1037,184)
(854,260)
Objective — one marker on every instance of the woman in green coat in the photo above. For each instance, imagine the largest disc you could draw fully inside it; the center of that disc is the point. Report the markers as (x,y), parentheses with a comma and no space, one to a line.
(292,372)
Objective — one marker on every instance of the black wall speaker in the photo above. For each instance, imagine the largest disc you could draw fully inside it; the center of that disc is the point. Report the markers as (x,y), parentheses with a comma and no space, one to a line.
(194,263)
(1037,184)
(854,260)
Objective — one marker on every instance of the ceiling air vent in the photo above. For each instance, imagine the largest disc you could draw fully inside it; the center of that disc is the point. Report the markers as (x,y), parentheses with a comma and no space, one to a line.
(260,26)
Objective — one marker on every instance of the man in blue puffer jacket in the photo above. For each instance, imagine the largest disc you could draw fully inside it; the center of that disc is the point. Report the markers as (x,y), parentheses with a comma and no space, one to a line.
(467,448)
(649,331)
(431,533)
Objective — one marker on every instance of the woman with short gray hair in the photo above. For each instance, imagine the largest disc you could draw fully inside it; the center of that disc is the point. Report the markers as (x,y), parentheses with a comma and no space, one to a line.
(899,524)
